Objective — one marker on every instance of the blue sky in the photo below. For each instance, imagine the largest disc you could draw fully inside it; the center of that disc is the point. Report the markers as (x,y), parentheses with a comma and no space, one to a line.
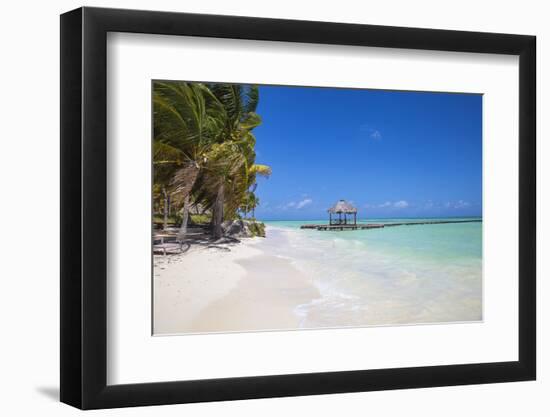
(392,153)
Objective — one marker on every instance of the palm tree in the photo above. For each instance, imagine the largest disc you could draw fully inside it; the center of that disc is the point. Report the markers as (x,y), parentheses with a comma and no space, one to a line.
(188,120)
(204,146)
(222,173)
(255,203)
(254,171)
(166,159)
(234,165)
(249,204)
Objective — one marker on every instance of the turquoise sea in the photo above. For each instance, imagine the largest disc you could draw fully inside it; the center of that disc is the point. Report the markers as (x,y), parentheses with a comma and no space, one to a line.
(397,275)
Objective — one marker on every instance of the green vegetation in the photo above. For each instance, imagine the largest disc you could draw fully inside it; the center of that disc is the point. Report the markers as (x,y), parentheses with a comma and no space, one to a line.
(203,152)
(257,228)
(201,219)
(170,220)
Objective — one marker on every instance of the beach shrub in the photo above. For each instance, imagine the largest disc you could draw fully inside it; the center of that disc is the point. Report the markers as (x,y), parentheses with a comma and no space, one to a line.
(200,219)
(172,220)
(256,228)
(243,228)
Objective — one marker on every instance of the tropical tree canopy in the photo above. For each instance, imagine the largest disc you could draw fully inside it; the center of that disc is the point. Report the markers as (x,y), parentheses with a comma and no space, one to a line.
(204,148)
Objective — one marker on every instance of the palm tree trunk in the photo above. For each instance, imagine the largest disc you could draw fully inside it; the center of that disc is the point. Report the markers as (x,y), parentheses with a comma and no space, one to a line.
(217,213)
(185,178)
(185,218)
(165,222)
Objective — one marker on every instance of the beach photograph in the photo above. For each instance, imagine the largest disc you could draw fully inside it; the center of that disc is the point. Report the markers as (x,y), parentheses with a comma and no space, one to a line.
(281,208)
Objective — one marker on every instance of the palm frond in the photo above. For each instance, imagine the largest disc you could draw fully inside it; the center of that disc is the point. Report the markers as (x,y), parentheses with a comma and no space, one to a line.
(164,153)
(250,98)
(250,120)
(261,170)
(183,181)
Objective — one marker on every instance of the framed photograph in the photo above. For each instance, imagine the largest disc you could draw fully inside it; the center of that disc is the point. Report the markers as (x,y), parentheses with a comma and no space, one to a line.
(260,208)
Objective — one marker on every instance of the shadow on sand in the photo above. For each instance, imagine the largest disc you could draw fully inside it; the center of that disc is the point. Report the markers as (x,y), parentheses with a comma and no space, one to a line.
(167,242)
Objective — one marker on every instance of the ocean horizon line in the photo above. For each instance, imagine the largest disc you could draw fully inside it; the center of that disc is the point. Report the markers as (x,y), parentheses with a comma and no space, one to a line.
(374,218)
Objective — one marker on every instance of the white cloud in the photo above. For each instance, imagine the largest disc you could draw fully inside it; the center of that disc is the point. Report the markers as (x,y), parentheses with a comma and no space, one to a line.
(457,204)
(389,204)
(372,133)
(462,204)
(286,206)
(376,135)
(401,204)
(303,203)
(296,205)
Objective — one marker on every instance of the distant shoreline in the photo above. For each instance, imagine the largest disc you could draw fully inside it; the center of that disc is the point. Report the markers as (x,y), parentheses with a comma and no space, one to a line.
(371,219)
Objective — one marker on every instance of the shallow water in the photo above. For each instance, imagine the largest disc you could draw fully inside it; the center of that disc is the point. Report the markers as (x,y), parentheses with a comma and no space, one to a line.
(397,275)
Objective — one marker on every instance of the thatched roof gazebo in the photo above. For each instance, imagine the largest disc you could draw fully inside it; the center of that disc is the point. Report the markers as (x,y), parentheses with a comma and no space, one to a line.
(344,208)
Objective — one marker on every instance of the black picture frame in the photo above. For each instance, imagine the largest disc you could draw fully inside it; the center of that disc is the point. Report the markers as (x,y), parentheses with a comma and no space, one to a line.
(84,208)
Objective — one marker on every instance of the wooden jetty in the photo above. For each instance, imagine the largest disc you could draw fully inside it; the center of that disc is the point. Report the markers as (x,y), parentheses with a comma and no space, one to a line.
(363,226)
(342,226)
(340,222)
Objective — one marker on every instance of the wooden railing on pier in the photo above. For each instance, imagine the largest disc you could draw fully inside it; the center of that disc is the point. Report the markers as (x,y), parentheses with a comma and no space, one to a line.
(363,226)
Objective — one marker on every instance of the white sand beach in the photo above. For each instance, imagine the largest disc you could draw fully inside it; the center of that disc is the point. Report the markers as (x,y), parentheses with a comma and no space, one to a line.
(235,288)
(297,279)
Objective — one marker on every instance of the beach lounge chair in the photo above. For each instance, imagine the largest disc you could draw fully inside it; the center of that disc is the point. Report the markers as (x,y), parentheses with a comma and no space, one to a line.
(174,247)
